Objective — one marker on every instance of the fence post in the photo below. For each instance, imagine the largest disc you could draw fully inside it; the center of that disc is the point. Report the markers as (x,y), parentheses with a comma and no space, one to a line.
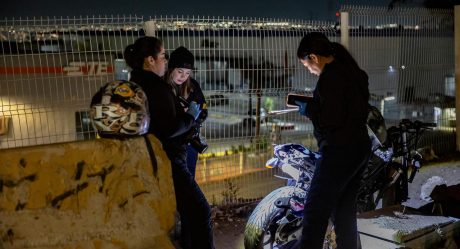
(242,161)
(457,72)
(149,28)
(205,169)
(344,30)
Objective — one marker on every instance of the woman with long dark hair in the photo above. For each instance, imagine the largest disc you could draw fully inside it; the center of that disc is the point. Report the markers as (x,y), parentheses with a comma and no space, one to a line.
(170,124)
(338,111)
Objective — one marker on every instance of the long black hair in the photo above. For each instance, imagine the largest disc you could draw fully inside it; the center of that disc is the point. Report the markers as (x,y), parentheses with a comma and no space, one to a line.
(142,48)
(317,43)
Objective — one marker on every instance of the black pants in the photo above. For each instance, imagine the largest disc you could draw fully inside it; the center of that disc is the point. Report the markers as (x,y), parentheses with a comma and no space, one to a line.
(192,158)
(333,194)
(191,203)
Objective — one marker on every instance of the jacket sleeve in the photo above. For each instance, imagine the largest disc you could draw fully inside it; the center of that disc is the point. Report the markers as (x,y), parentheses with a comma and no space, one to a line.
(170,120)
(198,96)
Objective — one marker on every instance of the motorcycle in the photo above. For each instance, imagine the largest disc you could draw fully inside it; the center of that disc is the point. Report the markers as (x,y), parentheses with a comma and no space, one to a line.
(276,221)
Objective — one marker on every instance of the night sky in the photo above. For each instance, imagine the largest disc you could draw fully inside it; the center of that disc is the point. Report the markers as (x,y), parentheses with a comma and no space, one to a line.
(285,9)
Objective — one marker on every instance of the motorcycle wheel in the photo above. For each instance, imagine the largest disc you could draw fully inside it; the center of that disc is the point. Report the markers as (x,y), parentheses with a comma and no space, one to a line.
(261,217)
(256,234)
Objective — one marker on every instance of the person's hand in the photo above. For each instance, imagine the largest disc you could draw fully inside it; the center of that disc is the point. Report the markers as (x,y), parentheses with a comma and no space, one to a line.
(302,107)
(194,110)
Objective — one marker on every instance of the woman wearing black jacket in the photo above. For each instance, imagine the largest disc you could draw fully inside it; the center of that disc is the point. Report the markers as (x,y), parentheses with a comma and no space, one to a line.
(338,111)
(170,123)
(178,75)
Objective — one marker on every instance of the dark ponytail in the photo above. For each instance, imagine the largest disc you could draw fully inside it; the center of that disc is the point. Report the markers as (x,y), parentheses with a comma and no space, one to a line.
(142,48)
(342,54)
(131,57)
(317,43)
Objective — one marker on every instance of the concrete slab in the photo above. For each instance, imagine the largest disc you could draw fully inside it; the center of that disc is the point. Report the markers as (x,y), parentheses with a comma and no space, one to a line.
(391,228)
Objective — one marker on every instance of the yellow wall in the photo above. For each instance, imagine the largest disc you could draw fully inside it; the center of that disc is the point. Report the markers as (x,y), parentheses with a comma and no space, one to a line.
(54,196)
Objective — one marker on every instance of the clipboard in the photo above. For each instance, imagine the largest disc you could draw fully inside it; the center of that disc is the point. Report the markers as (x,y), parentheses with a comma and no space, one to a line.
(291,98)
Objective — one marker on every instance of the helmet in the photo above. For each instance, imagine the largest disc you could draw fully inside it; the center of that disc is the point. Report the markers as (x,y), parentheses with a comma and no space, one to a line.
(120,109)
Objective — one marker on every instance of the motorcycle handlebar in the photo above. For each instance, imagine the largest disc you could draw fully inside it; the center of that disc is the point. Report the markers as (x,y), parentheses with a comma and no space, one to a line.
(416,124)
(430,125)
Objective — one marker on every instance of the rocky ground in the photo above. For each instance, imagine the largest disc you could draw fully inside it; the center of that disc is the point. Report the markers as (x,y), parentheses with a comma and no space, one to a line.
(229,222)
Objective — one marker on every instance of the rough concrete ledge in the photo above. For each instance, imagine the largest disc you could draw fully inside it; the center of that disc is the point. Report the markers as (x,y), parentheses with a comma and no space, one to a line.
(390,228)
(96,194)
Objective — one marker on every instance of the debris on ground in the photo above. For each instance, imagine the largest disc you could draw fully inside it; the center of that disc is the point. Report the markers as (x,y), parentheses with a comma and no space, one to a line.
(429,185)
(231,217)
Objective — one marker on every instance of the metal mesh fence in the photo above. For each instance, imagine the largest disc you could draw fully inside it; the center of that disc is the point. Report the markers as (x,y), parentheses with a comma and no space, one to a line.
(245,67)
(51,67)
(408,55)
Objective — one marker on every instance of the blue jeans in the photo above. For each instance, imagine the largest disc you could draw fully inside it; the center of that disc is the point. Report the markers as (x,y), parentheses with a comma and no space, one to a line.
(333,194)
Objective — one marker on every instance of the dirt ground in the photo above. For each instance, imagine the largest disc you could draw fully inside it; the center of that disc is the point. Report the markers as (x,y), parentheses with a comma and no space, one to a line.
(228,232)
(229,227)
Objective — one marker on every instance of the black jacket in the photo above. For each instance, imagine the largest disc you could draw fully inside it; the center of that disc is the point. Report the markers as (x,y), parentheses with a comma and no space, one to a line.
(197,95)
(168,121)
(339,106)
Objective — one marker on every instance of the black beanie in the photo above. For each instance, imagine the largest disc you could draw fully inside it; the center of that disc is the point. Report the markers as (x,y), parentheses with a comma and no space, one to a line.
(181,58)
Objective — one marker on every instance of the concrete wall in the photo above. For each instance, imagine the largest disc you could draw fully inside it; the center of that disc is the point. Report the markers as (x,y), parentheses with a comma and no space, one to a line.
(96,194)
